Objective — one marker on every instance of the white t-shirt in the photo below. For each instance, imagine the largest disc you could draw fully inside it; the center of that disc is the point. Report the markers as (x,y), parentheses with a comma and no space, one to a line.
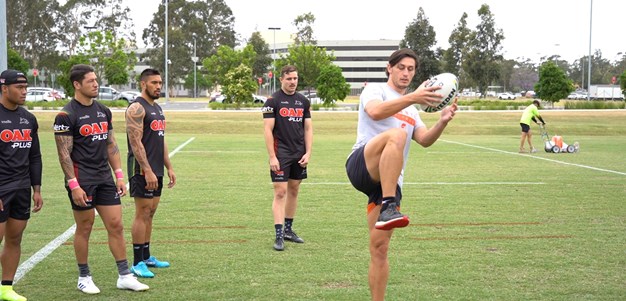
(407,119)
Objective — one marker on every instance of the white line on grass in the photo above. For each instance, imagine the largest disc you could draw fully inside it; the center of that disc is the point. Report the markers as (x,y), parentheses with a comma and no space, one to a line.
(536,157)
(438,183)
(40,255)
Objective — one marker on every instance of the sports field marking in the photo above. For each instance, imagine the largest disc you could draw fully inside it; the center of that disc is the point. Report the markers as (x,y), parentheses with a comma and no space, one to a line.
(223,151)
(40,255)
(507,237)
(437,183)
(536,157)
(478,224)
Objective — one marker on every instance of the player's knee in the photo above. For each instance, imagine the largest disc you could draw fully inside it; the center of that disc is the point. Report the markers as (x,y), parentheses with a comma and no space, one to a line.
(379,252)
(397,137)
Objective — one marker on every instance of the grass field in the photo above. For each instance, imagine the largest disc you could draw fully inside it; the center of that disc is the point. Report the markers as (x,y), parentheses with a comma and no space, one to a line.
(487,222)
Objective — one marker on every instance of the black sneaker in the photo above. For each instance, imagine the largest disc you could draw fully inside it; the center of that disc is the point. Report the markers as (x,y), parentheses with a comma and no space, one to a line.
(292,236)
(391,218)
(279,244)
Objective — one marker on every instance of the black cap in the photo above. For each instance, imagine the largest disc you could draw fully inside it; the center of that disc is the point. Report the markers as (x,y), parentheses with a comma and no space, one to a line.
(10,76)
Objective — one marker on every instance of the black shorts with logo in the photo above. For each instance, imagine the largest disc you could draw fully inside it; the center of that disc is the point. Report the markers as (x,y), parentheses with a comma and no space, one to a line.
(290,169)
(138,189)
(104,194)
(362,181)
(16,204)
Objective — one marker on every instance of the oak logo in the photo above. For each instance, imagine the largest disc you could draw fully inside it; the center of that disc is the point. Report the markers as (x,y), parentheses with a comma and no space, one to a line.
(97,131)
(19,138)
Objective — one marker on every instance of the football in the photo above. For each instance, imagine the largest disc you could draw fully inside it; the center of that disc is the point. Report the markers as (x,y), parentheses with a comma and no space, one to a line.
(449,87)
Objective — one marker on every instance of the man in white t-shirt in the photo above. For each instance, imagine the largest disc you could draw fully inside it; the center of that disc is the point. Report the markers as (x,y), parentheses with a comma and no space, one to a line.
(388,121)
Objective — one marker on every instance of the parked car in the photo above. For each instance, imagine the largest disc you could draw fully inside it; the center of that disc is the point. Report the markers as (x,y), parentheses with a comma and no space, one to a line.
(259,98)
(52,93)
(39,95)
(108,93)
(129,95)
(506,95)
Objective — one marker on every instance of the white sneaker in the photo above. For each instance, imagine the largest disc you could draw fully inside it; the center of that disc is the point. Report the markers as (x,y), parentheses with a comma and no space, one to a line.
(533,150)
(130,282)
(86,285)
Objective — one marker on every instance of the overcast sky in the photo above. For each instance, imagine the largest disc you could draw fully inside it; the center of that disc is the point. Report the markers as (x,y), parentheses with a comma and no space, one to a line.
(532,28)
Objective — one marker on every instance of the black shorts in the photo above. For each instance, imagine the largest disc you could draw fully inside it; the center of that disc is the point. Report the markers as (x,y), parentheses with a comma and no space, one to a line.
(525,127)
(290,169)
(104,194)
(16,204)
(138,189)
(362,181)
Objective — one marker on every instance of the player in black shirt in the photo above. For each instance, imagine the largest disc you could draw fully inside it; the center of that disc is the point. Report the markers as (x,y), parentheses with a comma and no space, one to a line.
(20,169)
(288,132)
(147,155)
(87,150)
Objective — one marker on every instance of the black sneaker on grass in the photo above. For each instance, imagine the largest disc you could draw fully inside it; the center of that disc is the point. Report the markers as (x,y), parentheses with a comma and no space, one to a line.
(391,218)
(279,244)
(292,236)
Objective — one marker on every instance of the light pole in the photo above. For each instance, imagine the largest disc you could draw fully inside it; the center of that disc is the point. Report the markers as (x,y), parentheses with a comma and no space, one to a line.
(4,50)
(589,58)
(194,58)
(167,61)
(274,59)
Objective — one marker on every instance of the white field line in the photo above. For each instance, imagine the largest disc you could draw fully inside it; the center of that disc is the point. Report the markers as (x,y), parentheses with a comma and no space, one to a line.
(537,157)
(437,183)
(40,255)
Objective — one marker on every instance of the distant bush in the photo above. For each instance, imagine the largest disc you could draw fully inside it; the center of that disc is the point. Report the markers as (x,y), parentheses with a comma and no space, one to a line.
(52,105)
(594,105)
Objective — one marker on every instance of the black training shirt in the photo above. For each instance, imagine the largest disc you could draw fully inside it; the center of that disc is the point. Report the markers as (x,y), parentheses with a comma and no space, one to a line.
(289,112)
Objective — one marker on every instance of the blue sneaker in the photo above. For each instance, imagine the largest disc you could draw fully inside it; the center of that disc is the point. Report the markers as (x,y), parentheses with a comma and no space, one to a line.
(141,270)
(155,263)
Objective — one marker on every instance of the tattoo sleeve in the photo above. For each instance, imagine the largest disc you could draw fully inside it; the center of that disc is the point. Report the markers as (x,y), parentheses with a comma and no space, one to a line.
(134,128)
(65,144)
(115,160)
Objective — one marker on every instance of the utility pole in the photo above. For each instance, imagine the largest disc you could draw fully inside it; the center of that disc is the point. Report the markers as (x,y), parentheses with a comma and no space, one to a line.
(3,36)
(274,60)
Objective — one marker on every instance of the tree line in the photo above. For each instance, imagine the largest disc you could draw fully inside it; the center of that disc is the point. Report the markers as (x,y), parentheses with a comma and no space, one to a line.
(100,33)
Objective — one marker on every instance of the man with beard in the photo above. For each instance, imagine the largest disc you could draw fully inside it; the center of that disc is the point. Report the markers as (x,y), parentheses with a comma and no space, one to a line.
(147,155)
(20,169)
(87,150)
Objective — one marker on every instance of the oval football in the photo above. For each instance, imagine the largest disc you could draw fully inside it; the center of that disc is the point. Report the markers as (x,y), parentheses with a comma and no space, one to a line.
(449,87)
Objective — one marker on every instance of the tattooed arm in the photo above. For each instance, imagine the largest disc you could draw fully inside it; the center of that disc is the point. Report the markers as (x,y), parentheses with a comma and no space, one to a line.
(134,128)
(65,144)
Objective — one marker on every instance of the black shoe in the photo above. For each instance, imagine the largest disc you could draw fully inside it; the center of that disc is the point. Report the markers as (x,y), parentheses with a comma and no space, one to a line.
(391,218)
(279,244)
(292,236)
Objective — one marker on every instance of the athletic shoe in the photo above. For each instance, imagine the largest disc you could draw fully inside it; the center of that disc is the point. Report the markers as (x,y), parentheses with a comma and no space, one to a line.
(292,236)
(533,150)
(391,218)
(141,270)
(155,263)
(129,282)
(279,244)
(7,293)
(86,285)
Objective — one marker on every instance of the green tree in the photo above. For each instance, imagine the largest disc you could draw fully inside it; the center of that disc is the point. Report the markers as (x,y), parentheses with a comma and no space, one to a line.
(331,85)
(482,61)
(72,18)
(263,58)
(453,56)
(507,68)
(553,83)
(309,59)
(304,34)
(30,28)
(64,68)
(110,57)
(224,60)
(239,85)
(419,35)
(212,22)
(16,62)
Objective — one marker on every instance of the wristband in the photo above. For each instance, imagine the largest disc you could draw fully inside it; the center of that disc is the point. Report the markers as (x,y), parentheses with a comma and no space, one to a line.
(73,183)
(119,174)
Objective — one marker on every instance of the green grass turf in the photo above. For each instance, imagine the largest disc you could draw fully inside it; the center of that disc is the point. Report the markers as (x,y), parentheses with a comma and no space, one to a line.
(487,223)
